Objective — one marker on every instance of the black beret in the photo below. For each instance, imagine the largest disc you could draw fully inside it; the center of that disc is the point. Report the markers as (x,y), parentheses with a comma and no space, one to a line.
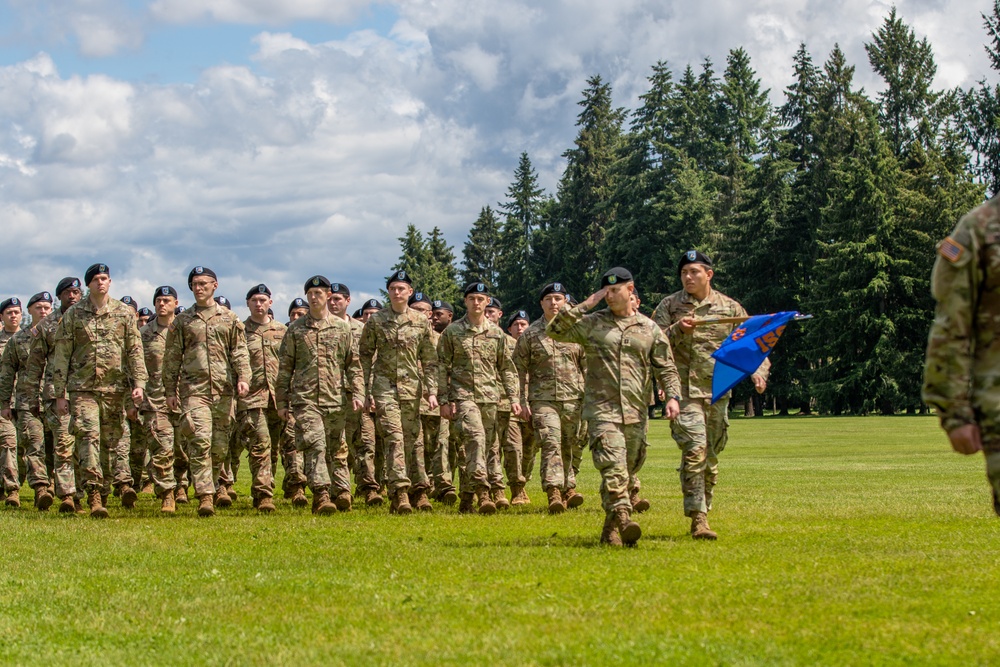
(179,309)
(145,312)
(164,290)
(129,301)
(316,281)
(297,302)
(12,302)
(340,288)
(94,270)
(201,271)
(270,312)
(552,288)
(418,297)
(400,276)
(258,289)
(441,305)
(372,304)
(615,276)
(477,288)
(66,283)
(494,303)
(693,257)
(517,315)
(41,296)
(223,301)
(357,314)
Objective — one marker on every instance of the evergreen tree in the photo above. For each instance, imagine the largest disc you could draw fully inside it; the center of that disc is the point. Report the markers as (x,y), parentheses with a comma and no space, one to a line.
(517,284)
(413,255)
(479,256)
(981,112)
(440,280)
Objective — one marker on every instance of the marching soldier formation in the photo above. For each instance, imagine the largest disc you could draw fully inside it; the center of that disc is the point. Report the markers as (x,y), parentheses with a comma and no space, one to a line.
(101,396)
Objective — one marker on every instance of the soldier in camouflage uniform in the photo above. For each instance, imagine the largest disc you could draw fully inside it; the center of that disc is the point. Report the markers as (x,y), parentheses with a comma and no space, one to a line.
(294,482)
(206,354)
(961,358)
(135,447)
(449,456)
(494,459)
(399,360)
(551,375)
(476,371)
(10,313)
(623,349)
(97,359)
(14,394)
(359,431)
(700,429)
(319,364)
(258,423)
(519,434)
(40,395)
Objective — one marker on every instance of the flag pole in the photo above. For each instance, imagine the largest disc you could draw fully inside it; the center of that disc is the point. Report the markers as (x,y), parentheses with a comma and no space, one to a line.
(739,320)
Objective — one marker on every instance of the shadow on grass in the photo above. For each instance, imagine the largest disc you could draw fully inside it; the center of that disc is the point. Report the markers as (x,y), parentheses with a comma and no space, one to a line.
(559,541)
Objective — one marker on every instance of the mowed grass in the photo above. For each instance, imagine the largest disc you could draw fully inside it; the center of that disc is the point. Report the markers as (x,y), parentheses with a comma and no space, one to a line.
(842,541)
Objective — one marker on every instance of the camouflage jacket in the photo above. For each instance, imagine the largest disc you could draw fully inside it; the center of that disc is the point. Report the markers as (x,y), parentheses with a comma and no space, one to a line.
(398,356)
(548,369)
(154,344)
(503,405)
(206,353)
(13,355)
(38,375)
(962,360)
(622,354)
(474,364)
(693,351)
(98,350)
(319,364)
(425,408)
(263,344)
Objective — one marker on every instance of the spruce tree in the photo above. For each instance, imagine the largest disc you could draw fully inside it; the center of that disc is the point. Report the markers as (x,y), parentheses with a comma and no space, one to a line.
(479,256)
(517,284)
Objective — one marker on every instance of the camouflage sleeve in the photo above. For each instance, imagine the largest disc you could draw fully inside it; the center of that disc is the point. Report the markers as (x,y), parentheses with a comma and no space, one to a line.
(286,367)
(445,357)
(662,360)
(62,353)
(522,358)
(239,354)
(568,326)
(173,354)
(428,362)
(955,284)
(37,356)
(352,368)
(366,351)
(135,358)
(505,364)
(7,374)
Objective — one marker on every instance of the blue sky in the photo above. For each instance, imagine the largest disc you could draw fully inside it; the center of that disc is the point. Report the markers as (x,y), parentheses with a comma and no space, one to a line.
(276,140)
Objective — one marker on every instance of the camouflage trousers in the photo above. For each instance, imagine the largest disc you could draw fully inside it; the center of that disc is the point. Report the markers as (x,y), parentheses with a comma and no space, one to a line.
(557,430)
(291,457)
(990,435)
(158,439)
(404,447)
(8,456)
(67,468)
(205,426)
(439,458)
(494,457)
(259,431)
(182,465)
(37,448)
(360,435)
(619,450)
(700,432)
(97,421)
(138,450)
(318,430)
(477,426)
(518,436)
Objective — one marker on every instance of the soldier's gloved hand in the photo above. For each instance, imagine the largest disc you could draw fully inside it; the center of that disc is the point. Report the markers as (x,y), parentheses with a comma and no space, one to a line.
(432,402)
(966,439)
(242,388)
(672,409)
(7,414)
(62,406)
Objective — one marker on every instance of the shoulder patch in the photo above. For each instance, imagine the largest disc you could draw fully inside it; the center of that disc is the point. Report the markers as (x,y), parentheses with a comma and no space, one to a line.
(34,331)
(951,250)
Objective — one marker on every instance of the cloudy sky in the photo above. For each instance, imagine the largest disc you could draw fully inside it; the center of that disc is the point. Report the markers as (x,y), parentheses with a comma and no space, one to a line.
(275,139)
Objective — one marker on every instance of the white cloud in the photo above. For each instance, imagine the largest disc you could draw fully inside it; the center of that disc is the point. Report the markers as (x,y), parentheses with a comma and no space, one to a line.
(256,11)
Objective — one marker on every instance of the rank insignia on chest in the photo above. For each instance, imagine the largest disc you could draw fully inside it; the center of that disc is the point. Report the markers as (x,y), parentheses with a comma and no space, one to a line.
(951,249)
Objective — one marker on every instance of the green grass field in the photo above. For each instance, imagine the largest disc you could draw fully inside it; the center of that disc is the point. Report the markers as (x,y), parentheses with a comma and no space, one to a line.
(842,541)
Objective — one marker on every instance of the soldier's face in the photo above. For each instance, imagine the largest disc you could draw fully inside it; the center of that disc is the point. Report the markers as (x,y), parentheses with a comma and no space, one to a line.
(317,298)
(475,303)
(259,304)
(203,289)
(100,284)
(494,314)
(338,304)
(143,319)
(12,318)
(423,308)
(399,293)
(619,297)
(366,314)
(39,310)
(552,304)
(70,296)
(164,305)
(441,319)
(696,278)
(517,328)
(296,314)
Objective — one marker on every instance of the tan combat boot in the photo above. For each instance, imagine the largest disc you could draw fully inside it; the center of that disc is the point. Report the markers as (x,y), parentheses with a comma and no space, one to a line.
(343,501)
(97,509)
(129,496)
(609,535)
(486,506)
(68,505)
(167,505)
(402,499)
(231,492)
(222,499)
(322,504)
(421,501)
(572,498)
(555,501)
(628,529)
(13,499)
(517,495)
(639,505)
(372,498)
(181,495)
(43,499)
(205,506)
(265,505)
(499,499)
(699,527)
(448,497)
(466,506)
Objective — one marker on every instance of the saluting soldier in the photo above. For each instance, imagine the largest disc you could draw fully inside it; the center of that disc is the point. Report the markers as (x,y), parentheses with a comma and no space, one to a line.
(624,348)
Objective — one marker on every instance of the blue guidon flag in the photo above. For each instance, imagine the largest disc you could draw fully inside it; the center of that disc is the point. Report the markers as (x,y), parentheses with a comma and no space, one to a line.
(746,348)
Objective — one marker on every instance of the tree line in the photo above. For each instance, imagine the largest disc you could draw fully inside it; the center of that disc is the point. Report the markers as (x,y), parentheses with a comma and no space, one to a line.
(829,204)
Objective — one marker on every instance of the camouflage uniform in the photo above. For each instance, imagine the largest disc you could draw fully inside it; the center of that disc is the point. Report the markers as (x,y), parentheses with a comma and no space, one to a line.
(476,372)
(96,361)
(162,439)
(551,375)
(621,356)
(8,437)
(360,436)
(205,356)
(39,390)
(509,447)
(960,370)
(399,360)
(14,387)
(435,435)
(259,425)
(700,430)
(319,365)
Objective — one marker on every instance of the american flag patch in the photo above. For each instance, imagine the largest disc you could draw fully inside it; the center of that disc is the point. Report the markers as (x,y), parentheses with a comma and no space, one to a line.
(951,249)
